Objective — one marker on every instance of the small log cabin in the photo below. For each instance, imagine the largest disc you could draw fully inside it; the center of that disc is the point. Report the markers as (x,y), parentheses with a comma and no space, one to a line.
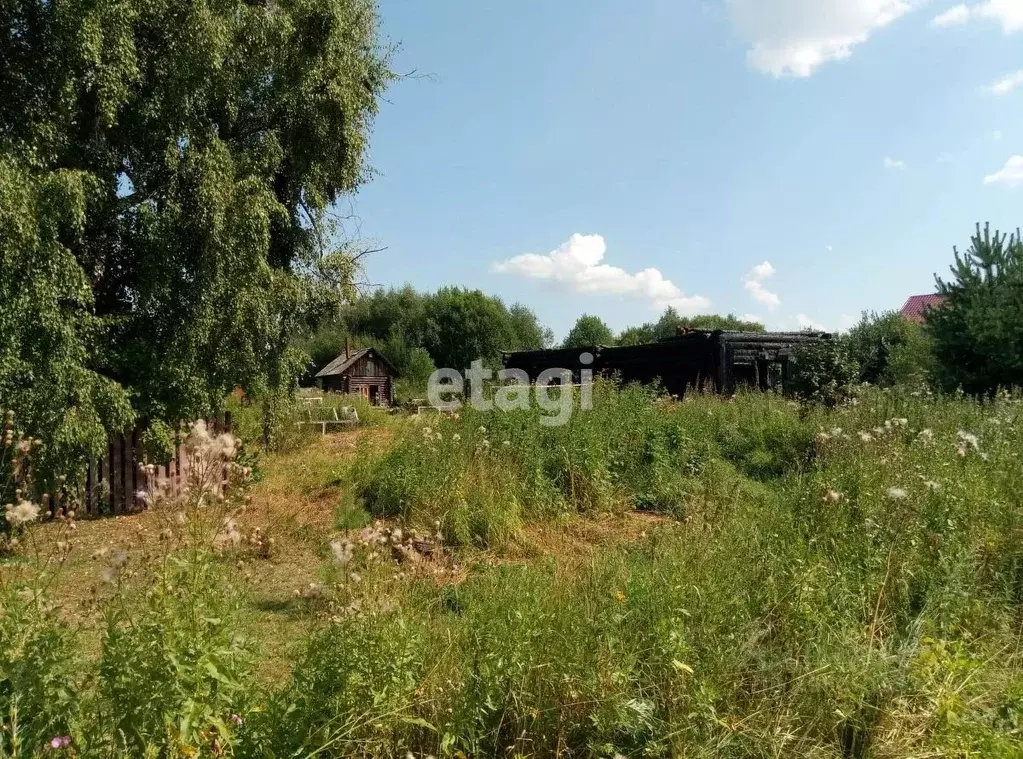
(702,360)
(361,372)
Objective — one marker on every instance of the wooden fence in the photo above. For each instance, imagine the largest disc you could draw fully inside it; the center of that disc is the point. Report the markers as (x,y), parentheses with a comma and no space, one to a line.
(113,482)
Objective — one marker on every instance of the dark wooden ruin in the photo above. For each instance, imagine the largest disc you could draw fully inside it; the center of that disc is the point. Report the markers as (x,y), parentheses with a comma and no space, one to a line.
(361,372)
(711,361)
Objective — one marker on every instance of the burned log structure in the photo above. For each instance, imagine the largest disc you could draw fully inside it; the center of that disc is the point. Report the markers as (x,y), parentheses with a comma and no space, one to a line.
(713,361)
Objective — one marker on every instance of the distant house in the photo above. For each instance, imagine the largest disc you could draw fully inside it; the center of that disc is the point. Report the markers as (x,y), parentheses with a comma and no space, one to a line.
(917,305)
(360,372)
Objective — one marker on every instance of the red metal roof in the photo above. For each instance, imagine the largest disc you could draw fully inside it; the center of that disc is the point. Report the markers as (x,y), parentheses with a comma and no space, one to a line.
(917,304)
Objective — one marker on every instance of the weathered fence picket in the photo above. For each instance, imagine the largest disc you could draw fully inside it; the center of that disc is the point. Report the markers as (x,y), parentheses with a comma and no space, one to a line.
(112,482)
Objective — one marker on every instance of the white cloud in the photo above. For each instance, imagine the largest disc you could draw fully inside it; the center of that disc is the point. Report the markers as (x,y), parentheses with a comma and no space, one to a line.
(829,248)
(847,321)
(893,163)
(1011,175)
(1009,13)
(956,16)
(577,264)
(997,135)
(805,322)
(752,318)
(1008,84)
(754,284)
(795,37)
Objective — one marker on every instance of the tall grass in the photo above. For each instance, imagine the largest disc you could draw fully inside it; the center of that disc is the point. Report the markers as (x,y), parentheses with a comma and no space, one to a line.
(845,584)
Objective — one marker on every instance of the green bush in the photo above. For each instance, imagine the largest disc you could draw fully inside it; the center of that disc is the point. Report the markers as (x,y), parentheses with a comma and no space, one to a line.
(890,350)
(823,373)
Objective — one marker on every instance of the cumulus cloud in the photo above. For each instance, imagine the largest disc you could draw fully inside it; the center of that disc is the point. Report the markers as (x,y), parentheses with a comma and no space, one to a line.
(805,322)
(1009,13)
(795,37)
(1008,84)
(754,284)
(1011,175)
(893,163)
(578,265)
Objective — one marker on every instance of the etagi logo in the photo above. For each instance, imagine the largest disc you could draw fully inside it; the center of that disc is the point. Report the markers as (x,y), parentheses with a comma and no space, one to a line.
(554,390)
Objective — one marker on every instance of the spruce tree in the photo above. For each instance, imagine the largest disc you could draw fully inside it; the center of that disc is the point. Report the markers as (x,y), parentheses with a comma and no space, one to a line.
(978,330)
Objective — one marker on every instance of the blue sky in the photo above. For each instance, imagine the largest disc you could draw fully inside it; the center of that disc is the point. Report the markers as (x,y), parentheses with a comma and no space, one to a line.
(797,160)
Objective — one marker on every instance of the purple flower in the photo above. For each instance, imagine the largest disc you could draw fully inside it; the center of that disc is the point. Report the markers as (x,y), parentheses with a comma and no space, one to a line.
(60,741)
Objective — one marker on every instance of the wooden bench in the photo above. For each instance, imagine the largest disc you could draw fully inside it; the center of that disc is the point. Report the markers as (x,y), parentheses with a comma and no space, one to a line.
(349,416)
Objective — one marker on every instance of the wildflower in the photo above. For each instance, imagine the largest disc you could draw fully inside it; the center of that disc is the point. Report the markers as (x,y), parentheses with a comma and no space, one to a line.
(506,443)
(21,514)
(866,437)
(833,496)
(822,437)
(59,742)
(482,430)
(900,422)
(485,444)
(438,436)
(968,440)
(836,432)
(427,431)
(342,552)
(897,494)
(926,436)
(932,485)
(456,437)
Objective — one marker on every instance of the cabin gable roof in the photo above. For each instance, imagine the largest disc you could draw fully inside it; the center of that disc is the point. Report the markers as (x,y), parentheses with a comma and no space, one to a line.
(343,363)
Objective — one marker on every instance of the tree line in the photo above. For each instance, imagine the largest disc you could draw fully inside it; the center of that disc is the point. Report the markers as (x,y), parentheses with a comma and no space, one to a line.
(452,327)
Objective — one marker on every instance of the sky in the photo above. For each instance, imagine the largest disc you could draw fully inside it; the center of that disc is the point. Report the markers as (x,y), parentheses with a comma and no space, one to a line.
(797,161)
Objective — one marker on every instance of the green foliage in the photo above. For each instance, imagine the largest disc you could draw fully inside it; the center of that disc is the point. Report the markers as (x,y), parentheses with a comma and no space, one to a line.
(890,350)
(39,671)
(165,177)
(173,663)
(840,582)
(823,373)
(671,323)
(420,331)
(978,331)
(587,332)
(483,474)
(158,442)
